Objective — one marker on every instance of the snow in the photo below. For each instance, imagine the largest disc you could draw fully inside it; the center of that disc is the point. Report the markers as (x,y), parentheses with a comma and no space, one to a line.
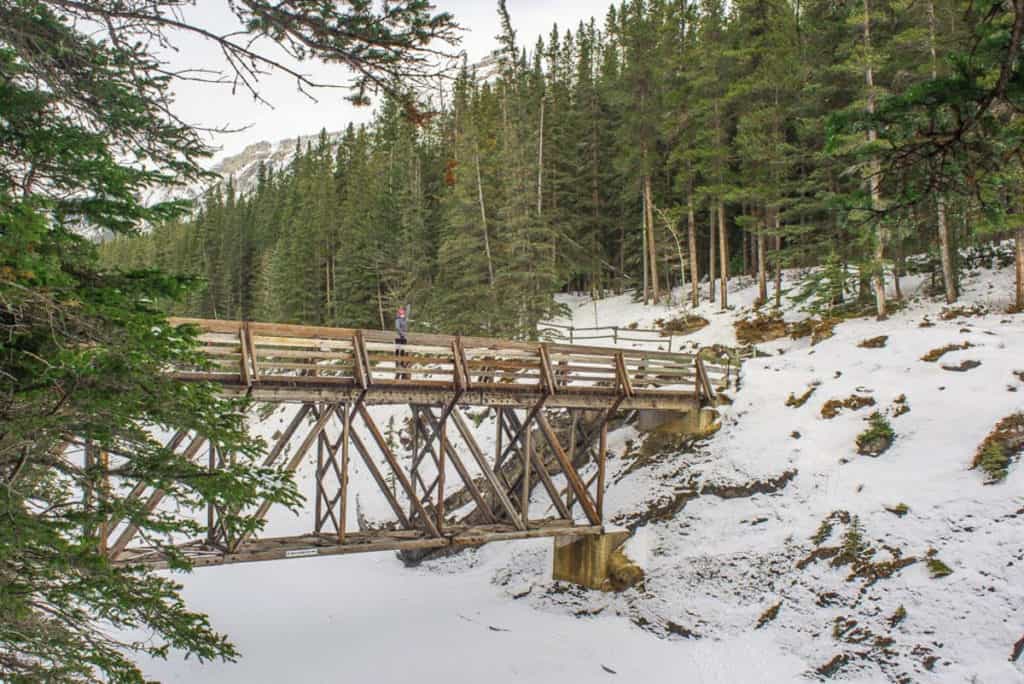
(717,564)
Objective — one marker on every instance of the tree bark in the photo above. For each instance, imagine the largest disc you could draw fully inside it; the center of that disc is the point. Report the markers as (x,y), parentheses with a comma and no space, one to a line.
(647,268)
(723,237)
(948,279)
(762,258)
(711,252)
(483,218)
(692,237)
(875,171)
(1019,305)
(540,162)
(778,265)
(651,248)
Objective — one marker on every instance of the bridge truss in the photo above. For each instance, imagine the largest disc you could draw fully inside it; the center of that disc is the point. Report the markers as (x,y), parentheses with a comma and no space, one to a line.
(551,405)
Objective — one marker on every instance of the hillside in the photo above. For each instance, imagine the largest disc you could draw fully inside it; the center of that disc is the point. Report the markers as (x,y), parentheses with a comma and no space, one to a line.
(736,590)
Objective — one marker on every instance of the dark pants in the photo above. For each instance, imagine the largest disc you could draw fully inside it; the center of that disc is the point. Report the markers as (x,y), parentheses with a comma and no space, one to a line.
(399,351)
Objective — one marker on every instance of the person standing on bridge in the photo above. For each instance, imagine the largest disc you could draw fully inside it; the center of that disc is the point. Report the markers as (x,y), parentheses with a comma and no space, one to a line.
(401,330)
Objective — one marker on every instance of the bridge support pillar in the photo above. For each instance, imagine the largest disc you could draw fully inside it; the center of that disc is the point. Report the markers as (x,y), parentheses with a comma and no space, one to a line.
(587,560)
(696,422)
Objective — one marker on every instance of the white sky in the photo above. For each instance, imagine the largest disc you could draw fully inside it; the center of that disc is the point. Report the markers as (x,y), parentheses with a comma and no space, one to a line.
(294,114)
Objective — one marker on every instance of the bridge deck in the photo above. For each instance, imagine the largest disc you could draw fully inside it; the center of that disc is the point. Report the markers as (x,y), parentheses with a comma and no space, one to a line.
(295,363)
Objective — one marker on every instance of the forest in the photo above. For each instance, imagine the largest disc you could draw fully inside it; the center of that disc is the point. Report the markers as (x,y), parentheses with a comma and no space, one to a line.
(671,143)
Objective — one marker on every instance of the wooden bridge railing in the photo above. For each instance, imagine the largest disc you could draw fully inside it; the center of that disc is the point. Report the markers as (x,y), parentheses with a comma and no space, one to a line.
(245,355)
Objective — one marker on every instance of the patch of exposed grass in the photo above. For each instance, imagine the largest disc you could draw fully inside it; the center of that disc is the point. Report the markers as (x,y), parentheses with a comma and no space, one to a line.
(826,526)
(902,406)
(818,330)
(794,401)
(854,402)
(963,367)
(768,615)
(877,439)
(936,354)
(684,325)
(1001,447)
(899,510)
(833,666)
(761,328)
(854,552)
(874,342)
(949,313)
(937,568)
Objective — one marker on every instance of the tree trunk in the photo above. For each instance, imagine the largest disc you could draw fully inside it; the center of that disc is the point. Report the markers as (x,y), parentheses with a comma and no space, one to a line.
(647,268)
(723,237)
(897,270)
(745,252)
(778,265)
(948,279)
(540,161)
(692,237)
(711,252)
(1019,304)
(762,258)
(875,171)
(652,258)
(483,219)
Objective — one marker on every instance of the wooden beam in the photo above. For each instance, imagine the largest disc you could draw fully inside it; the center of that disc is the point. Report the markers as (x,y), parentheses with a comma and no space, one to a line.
(570,471)
(464,475)
(481,461)
(151,503)
(396,469)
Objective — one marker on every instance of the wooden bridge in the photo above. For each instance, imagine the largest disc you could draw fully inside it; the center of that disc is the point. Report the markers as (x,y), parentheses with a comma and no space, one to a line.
(551,405)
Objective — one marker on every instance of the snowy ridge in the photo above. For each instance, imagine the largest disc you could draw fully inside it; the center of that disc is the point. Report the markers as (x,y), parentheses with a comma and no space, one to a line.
(243,167)
(736,590)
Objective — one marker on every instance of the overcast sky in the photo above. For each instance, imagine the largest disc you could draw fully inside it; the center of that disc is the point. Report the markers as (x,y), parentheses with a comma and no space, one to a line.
(294,114)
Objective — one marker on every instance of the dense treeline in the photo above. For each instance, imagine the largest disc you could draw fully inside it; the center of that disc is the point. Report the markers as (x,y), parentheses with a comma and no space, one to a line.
(677,143)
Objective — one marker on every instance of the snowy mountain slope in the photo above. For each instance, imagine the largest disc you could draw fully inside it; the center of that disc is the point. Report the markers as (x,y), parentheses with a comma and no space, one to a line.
(243,167)
(724,528)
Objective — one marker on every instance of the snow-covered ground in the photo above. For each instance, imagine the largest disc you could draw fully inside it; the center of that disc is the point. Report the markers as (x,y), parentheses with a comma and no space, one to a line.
(723,528)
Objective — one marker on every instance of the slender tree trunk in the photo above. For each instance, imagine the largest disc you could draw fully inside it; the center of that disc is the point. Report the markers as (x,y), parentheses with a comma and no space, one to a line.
(483,219)
(745,252)
(723,237)
(711,252)
(948,279)
(540,162)
(762,258)
(875,171)
(897,270)
(778,264)
(692,238)
(679,252)
(647,268)
(652,258)
(1019,304)
(622,256)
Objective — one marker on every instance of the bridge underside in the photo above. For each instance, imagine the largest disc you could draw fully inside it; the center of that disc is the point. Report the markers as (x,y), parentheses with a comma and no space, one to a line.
(200,553)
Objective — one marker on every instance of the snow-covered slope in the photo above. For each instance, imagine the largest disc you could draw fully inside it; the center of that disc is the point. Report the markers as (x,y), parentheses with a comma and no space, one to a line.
(243,167)
(736,589)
